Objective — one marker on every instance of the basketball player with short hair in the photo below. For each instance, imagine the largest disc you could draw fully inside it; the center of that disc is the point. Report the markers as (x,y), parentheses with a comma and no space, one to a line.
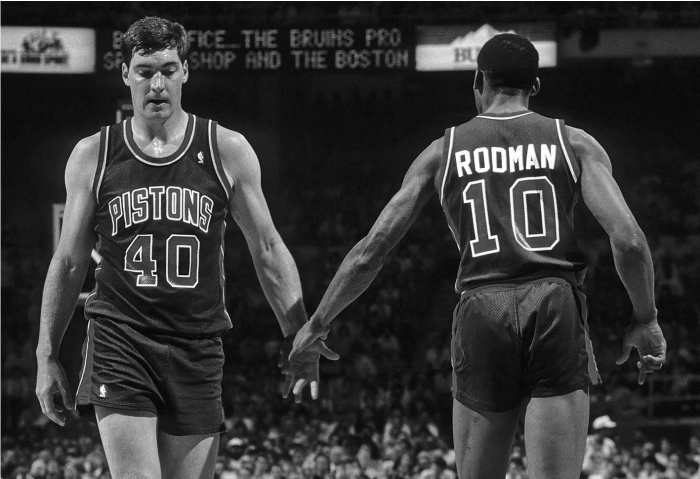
(155,191)
(508,181)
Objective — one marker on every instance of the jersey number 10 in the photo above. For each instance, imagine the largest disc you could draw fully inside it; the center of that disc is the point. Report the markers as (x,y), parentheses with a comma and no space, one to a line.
(522,192)
(181,261)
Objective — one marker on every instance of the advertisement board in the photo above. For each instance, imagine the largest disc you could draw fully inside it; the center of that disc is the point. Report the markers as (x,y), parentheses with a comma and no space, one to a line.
(284,49)
(47,50)
(455,47)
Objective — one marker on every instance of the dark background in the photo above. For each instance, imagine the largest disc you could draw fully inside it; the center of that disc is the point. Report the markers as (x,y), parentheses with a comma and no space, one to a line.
(334,146)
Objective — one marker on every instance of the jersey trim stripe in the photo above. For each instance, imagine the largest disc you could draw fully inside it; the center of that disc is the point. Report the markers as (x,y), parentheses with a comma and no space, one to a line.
(447,164)
(101,162)
(488,117)
(216,159)
(168,160)
(223,270)
(564,149)
(444,180)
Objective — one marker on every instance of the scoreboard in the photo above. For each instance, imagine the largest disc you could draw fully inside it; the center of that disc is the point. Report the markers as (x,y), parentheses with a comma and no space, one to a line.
(284,49)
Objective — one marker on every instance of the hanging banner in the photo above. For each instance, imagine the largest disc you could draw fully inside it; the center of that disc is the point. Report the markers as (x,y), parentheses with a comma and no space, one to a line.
(285,49)
(447,48)
(47,50)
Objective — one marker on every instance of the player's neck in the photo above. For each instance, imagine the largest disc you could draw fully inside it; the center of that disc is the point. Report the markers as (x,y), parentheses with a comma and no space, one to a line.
(165,129)
(499,103)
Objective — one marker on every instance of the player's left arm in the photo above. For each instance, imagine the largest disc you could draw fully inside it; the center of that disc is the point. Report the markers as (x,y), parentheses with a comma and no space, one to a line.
(366,258)
(274,264)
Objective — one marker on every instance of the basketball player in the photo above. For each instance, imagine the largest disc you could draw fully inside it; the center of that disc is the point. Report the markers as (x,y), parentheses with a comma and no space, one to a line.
(508,181)
(155,191)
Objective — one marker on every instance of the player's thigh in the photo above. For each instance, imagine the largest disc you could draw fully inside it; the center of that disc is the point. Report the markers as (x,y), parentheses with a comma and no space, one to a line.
(486,350)
(130,441)
(188,457)
(555,435)
(193,387)
(483,441)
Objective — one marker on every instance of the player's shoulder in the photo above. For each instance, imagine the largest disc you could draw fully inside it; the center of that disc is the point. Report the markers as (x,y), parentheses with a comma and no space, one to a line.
(83,161)
(86,151)
(581,141)
(230,142)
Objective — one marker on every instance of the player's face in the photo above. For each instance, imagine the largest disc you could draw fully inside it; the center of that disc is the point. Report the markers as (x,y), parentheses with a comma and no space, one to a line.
(155,81)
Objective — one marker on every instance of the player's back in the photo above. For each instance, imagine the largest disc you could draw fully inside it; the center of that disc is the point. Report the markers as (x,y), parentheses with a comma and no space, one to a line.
(508,192)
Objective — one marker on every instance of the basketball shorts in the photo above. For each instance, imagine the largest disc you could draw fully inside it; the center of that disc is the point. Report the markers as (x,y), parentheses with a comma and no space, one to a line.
(512,341)
(177,378)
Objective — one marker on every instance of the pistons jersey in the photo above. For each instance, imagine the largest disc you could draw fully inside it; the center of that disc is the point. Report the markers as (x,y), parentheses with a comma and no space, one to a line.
(160,229)
(509,188)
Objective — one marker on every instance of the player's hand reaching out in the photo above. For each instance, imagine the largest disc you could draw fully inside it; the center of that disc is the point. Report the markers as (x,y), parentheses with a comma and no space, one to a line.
(649,341)
(299,359)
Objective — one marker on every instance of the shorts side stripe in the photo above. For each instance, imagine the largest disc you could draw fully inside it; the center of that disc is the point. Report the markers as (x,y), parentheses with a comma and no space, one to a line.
(82,396)
(592,366)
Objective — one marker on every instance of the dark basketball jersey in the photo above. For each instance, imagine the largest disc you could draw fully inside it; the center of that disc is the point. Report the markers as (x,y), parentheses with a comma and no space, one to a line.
(160,228)
(508,192)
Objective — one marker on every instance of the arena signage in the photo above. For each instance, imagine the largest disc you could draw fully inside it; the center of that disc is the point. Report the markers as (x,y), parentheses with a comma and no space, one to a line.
(48,50)
(285,49)
(447,48)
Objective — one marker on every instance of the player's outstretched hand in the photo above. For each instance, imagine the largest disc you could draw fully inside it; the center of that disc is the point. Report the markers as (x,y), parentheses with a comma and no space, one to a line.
(51,379)
(299,359)
(649,341)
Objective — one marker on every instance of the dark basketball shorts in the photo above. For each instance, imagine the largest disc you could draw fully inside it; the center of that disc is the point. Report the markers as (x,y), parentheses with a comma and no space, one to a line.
(177,378)
(512,341)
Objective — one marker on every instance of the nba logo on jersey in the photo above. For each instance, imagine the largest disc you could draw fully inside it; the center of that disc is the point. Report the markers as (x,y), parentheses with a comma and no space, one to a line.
(103,391)
(200,157)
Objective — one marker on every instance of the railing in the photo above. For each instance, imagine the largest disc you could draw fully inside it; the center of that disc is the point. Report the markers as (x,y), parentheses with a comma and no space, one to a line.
(660,387)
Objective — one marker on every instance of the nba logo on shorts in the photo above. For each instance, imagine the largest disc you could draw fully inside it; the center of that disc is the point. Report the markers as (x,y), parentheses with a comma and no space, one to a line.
(103,391)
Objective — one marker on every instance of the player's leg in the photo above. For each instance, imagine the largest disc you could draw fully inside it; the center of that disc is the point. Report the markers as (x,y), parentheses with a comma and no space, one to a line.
(486,382)
(483,441)
(559,368)
(188,457)
(188,431)
(555,435)
(130,441)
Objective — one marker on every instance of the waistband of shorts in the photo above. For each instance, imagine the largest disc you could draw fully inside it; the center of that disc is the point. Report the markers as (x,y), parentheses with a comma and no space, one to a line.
(153,333)
(519,283)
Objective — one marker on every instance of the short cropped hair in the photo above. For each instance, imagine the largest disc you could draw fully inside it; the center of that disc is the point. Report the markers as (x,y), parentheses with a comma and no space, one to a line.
(154,34)
(509,60)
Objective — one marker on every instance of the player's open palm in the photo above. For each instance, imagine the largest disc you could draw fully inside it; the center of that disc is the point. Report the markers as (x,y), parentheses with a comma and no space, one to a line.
(648,340)
(51,379)
(299,359)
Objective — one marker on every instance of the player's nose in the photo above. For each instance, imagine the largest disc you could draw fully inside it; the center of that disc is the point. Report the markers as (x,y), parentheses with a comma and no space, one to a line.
(157,82)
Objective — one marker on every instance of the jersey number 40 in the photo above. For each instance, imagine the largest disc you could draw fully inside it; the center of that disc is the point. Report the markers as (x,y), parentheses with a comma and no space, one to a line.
(181,261)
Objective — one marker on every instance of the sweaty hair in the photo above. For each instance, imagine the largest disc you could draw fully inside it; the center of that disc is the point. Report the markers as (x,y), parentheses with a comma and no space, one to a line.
(154,34)
(509,60)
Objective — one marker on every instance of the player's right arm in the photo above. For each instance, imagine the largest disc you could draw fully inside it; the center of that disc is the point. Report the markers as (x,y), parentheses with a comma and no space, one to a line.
(630,250)
(66,275)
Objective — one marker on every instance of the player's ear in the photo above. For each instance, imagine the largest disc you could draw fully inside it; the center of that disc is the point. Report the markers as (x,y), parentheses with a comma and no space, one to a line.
(186,71)
(535,87)
(125,73)
(479,81)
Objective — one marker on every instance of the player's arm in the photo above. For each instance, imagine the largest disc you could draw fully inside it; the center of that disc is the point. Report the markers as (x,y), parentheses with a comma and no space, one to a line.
(66,275)
(274,265)
(273,262)
(366,258)
(630,250)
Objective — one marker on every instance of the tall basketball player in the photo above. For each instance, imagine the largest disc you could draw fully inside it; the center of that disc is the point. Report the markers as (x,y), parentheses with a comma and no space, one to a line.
(508,181)
(155,191)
